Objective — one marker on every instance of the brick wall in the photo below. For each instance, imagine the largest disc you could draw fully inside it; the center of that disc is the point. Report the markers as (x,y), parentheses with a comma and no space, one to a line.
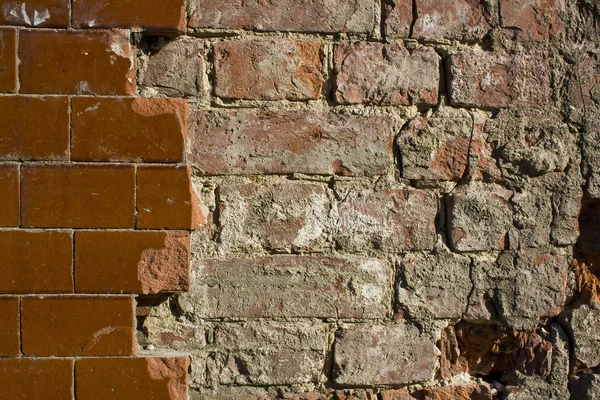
(326,199)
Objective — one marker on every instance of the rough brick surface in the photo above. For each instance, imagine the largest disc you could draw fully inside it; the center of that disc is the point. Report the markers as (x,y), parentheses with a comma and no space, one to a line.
(386,74)
(78,196)
(155,15)
(131,262)
(10,341)
(8,60)
(34,128)
(291,141)
(99,63)
(77,326)
(128,378)
(36,262)
(138,130)
(268,70)
(535,20)
(9,204)
(36,13)
(324,16)
(37,379)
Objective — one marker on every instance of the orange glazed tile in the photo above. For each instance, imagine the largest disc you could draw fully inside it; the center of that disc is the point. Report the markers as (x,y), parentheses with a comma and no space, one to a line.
(36,379)
(10,345)
(36,13)
(34,128)
(166,199)
(138,130)
(154,15)
(78,326)
(95,62)
(9,201)
(8,60)
(132,262)
(132,378)
(80,196)
(36,262)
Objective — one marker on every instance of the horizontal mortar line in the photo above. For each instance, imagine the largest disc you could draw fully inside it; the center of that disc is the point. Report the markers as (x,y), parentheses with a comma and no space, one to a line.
(75,96)
(70,229)
(147,354)
(27,163)
(70,295)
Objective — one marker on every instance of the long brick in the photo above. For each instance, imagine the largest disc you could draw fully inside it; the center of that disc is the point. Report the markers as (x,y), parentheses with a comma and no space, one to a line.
(351,16)
(139,130)
(293,286)
(166,199)
(268,70)
(131,262)
(78,196)
(8,60)
(154,15)
(34,128)
(36,262)
(78,326)
(533,20)
(96,62)
(36,13)
(36,379)
(484,79)
(10,342)
(9,202)
(131,378)
(313,142)
(386,74)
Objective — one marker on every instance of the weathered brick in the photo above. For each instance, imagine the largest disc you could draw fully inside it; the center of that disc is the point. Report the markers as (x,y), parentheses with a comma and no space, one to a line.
(436,147)
(97,62)
(398,18)
(383,355)
(434,285)
(131,262)
(78,196)
(132,378)
(9,202)
(274,217)
(396,394)
(166,199)
(268,70)
(292,286)
(138,130)
(284,142)
(36,262)
(479,217)
(78,326)
(10,342)
(323,16)
(583,326)
(386,74)
(34,128)
(8,60)
(153,15)
(36,13)
(483,79)
(36,379)
(535,20)
(583,89)
(177,69)
(392,220)
(459,392)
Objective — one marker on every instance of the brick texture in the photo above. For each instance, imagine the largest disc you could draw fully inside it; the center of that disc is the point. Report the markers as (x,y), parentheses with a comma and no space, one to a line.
(9,186)
(37,379)
(36,13)
(8,60)
(10,341)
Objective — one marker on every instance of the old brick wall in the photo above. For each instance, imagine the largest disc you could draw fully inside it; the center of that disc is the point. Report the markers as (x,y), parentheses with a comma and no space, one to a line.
(300,199)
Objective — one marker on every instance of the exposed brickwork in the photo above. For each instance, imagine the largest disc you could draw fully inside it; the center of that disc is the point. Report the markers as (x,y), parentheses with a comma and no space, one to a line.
(9,186)
(36,13)
(10,341)
(8,60)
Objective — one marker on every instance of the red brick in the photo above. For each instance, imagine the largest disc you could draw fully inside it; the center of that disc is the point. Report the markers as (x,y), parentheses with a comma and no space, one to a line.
(292,141)
(78,196)
(96,62)
(36,379)
(132,262)
(459,392)
(36,13)
(132,378)
(78,326)
(386,74)
(34,128)
(355,16)
(9,202)
(153,15)
(398,17)
(10,343)
(166,199)
(483,79)
(138,130)
(268,70)
(8,60)
(534,20)
(36,262)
